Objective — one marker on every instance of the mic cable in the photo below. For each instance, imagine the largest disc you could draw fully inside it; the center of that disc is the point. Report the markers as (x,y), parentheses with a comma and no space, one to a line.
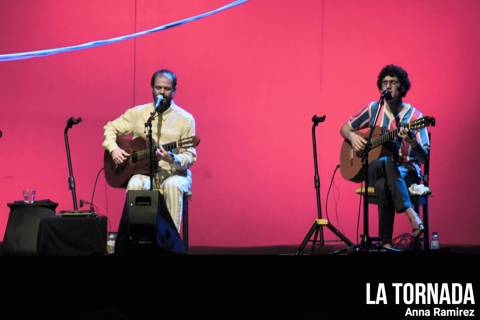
(328,192)
(92,205)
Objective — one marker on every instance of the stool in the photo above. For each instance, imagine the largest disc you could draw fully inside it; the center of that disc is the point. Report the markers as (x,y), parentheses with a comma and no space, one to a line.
(418,201)
(186,197)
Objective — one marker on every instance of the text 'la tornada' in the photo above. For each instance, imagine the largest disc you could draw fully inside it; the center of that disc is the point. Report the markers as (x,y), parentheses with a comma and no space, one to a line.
(420,293)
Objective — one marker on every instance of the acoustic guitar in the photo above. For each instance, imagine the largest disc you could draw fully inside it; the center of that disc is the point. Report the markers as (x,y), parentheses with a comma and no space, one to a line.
(138,162)
(351,165)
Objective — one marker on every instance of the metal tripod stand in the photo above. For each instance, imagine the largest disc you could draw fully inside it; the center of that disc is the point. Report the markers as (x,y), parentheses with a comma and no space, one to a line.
(317,228)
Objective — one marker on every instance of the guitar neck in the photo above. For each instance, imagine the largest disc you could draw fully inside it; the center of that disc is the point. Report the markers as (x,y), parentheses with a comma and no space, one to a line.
(170,146)
(143,153)
(390,135)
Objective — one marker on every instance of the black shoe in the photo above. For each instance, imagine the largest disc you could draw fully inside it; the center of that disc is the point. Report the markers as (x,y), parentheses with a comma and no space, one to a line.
(387,247)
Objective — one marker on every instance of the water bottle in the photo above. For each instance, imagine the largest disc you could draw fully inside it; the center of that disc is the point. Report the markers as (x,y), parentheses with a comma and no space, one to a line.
(111,242)
(435,243)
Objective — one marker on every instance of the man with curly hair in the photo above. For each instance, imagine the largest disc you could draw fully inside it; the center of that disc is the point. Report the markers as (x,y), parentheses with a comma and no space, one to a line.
(391,175)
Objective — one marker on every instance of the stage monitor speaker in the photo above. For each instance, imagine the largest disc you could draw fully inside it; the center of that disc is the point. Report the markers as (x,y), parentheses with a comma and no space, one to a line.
(73,235)
(146,226)
(22,227)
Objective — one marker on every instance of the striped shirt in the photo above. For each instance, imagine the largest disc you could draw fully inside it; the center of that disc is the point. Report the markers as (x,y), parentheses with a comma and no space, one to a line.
(387,121)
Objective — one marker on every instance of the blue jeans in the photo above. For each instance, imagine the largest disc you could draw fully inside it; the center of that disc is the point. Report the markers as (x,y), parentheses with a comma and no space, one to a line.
(390,181)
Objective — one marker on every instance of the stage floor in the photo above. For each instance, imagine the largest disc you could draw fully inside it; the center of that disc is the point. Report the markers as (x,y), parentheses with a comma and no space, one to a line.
(328,249)
(325,250)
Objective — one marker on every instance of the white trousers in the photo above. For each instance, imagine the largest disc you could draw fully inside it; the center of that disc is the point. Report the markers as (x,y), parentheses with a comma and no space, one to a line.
(172,189)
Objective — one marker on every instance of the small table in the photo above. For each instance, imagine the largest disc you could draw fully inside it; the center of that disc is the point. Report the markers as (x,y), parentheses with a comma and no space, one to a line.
(22,228)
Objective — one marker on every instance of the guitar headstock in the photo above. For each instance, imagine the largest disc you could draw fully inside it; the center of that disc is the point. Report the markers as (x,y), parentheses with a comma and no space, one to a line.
(188,142)
(422,122)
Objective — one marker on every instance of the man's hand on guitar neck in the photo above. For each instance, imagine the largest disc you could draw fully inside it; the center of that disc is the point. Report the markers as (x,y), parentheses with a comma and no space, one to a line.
(408,135)
(162,154)
(119,156)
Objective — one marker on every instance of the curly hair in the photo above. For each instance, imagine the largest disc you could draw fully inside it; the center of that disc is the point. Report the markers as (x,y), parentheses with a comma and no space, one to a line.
(395,71)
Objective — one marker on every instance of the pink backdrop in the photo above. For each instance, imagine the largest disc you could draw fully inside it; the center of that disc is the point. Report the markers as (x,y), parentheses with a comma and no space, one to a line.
(252,77)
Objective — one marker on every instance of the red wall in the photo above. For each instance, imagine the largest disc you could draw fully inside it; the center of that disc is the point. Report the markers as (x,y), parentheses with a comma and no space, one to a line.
(252,77)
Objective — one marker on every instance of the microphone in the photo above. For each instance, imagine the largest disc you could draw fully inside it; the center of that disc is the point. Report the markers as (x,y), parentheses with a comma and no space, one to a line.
(385,95)
(158,101)
(156,106)
(73,121)
(317,119)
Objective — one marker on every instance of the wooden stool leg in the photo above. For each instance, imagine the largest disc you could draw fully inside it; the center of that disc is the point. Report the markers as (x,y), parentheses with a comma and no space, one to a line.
(185,222)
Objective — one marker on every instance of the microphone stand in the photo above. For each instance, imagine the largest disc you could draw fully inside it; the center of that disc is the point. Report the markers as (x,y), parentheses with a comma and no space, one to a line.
(316,228)
(366,241)
(148,127)
(71,179)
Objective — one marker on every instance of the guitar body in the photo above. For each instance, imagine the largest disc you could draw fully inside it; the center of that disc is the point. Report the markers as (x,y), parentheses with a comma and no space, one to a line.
(118,176)
(351,165)
(138,162)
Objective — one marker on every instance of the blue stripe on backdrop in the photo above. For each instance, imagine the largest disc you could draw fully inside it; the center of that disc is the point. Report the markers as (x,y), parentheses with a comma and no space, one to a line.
(93,44)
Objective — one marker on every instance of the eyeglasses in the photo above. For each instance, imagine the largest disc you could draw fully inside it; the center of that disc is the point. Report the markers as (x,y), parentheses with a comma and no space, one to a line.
(394,83)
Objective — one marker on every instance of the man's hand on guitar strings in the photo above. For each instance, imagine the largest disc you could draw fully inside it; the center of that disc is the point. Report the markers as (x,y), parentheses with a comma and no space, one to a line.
(119,156)
(358,142)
